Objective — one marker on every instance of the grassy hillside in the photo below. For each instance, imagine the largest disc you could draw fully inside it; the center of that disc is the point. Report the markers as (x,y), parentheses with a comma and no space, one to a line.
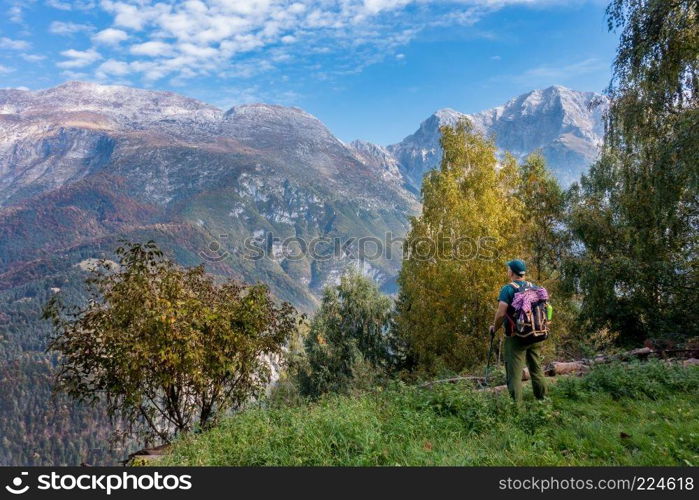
(642,414)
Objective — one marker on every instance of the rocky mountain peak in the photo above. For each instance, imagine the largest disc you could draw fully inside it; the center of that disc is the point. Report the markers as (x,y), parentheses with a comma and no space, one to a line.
(270,125)
(273,115)
(267,110)
(369,148)
(566,125)
(378,158)
(125,108)
(446,116)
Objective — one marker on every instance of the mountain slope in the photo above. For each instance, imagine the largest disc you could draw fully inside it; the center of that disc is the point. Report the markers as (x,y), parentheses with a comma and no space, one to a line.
(255,169)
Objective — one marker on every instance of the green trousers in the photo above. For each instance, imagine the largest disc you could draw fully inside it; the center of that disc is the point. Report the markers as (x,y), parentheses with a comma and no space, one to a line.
(517,354)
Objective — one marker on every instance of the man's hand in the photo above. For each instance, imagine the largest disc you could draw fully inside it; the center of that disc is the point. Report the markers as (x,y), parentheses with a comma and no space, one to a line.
(492,330)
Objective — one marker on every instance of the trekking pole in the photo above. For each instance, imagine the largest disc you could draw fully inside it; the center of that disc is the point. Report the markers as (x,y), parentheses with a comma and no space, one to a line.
(490,352)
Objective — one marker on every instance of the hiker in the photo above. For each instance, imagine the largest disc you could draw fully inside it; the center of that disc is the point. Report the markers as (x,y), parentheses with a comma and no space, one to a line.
(518,350)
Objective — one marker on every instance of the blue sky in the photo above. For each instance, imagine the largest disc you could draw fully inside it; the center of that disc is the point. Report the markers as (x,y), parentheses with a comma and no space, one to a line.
(370,69)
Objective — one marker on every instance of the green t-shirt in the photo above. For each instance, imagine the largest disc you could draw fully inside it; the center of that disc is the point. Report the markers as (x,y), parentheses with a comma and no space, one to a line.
(507,293)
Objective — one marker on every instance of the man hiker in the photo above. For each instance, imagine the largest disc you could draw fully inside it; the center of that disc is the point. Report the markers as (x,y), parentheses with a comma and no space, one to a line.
(517,350)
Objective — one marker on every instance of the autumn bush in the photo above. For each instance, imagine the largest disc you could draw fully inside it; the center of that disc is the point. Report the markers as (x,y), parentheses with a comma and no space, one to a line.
(166,348)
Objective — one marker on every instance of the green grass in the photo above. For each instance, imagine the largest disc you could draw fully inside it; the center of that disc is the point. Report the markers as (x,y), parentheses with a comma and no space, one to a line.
(654,405)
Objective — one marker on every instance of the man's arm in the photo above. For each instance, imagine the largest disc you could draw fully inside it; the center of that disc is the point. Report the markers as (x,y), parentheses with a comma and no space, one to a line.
(499,317)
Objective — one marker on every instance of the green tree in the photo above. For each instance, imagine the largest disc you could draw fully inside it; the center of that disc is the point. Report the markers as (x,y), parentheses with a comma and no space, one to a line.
(455,252)
(636,213)
(349,337)
(547,243)
(166,347)
(542,227)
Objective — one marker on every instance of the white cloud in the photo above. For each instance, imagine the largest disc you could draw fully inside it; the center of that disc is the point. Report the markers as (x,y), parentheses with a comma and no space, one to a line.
(57,4)
(79,58)
(152,49)
(182,39)
(550,74)
(71,5)
(68,28)
(197,51)
(297,8)
(189,38)
(10,44)
(75,75)
(151,71)
(112,67)
(15,13)
(376,6)
(134,15)
(110,36)
(5,69)
(225,97)
(32,57)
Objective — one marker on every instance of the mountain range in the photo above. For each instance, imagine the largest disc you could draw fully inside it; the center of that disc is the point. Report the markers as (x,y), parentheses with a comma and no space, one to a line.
(84,165)
(566,126)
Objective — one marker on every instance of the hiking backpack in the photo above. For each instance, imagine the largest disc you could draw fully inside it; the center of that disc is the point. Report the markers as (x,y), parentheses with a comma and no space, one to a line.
(531,326)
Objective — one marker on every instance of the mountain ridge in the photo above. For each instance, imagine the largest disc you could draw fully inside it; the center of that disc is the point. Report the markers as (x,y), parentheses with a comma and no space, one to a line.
(277,168)
(522,125)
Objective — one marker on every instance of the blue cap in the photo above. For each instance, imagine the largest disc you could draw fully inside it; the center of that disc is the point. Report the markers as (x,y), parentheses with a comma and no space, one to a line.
(517,266)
